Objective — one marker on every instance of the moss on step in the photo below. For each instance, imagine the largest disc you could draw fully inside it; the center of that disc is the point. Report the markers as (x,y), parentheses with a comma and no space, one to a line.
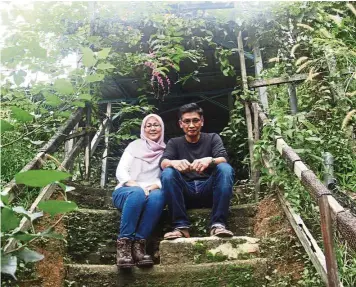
(249,273)
(208,249)
(91,231)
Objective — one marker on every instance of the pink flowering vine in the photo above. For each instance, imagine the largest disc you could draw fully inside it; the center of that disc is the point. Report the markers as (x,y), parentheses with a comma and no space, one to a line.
(159,82)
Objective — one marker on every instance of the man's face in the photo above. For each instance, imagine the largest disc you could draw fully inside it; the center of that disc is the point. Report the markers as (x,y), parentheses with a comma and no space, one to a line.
(191,123)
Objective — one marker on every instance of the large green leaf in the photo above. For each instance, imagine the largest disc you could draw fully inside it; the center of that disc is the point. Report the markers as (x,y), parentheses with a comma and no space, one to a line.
(63,86)
(28,255)
(54,207)
(48,233)
(94,78)
(21,115)
(9,265)
(24,236)
(78,104)
(52,100)
(104,66)
(40,178)
(36,50)
(19,77)
(5,126)
(9,219)
(103,54)
(85,97)
(88,57)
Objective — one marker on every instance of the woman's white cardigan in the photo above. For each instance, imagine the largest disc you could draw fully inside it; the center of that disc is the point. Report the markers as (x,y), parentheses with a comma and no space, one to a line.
(144,173)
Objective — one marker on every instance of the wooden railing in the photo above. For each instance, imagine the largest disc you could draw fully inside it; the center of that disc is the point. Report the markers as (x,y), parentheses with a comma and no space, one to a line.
(65,135)
(331,212)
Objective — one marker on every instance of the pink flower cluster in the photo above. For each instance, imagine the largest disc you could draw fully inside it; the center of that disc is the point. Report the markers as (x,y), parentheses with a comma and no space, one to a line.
(158,78)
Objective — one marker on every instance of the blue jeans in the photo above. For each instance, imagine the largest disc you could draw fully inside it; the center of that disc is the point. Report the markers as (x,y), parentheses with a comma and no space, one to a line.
(215,192)
(139,214)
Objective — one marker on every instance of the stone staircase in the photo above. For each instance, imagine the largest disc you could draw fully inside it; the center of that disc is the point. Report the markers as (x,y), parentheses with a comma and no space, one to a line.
(196,261)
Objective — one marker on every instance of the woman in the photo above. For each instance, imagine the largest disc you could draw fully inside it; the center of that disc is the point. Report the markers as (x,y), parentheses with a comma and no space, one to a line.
(138,194)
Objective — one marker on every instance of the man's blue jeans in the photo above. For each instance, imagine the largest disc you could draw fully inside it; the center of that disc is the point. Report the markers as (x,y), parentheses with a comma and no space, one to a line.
(215,192)
(139,214)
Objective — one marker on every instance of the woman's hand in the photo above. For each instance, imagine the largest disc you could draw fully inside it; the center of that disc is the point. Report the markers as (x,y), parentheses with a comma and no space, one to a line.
(149,188)
(131,183)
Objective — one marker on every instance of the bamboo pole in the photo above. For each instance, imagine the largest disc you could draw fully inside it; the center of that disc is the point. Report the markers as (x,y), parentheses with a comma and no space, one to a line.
(262,91)
(104,169)
(87,143)
(247,107)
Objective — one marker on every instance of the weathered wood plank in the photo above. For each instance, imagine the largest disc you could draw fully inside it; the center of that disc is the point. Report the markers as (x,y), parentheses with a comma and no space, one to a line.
(247,107)
(104,170)
(262,91)
(12,188)
(87,144)
(306,239)
(293,100)
(327,233)
(97,137)
(277,81)
(58,138)
(257,137)
(46,192)
(76,135)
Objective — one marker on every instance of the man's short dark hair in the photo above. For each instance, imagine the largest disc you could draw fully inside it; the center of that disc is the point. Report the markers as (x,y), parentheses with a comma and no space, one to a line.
(190,108)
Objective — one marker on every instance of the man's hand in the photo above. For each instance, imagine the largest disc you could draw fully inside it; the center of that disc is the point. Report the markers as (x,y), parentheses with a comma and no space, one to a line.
(201,164)
(181,165)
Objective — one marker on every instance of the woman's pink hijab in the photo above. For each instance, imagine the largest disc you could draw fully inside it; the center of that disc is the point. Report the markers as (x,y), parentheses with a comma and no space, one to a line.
(146,149)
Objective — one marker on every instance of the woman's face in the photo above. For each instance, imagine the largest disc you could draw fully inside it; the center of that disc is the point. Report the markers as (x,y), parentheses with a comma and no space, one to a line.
(153,129)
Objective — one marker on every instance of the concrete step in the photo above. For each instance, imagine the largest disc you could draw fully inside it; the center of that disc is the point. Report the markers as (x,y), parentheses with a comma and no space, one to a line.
(100,198)
(243,273)
(207,249)
(91,234)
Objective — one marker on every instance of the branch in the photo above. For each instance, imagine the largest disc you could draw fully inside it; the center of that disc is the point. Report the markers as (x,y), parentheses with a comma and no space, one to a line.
(21,137)
(32,240)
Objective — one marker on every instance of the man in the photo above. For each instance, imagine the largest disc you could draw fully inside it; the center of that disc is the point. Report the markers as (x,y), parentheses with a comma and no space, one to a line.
(196,174)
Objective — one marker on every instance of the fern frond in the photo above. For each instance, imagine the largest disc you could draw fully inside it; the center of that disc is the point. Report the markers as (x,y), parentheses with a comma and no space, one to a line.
(347,119)
(295,47)
(352,8)
(304,65)
(351,94)
(305,26)
(275,59)
(300,60)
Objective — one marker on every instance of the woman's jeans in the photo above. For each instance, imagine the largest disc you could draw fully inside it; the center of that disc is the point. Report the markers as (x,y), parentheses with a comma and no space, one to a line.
(215,192)
(139,214)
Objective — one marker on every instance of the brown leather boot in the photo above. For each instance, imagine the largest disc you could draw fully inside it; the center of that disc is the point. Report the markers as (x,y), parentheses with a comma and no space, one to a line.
(139,254)
(124,257)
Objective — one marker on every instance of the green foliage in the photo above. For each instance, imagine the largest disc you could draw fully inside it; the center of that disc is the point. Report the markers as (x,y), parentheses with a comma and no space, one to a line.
(10,220)
(39,178)
(235,139)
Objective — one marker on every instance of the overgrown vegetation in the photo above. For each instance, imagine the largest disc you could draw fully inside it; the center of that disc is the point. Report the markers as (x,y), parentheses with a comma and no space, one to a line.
(317,39)
(58,57)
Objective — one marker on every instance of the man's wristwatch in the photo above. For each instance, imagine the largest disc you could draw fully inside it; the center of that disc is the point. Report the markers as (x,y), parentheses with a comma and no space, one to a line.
(212,163)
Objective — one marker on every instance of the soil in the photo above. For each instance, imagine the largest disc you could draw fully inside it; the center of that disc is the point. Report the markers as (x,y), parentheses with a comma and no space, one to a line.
(51,269)
(271,222)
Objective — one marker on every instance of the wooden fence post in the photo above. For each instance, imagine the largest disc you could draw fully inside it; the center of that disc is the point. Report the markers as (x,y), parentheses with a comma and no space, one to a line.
(87,143)
(293,98)
(104,169)
(257,137)
(326,229)
(247,107)
(262,91)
